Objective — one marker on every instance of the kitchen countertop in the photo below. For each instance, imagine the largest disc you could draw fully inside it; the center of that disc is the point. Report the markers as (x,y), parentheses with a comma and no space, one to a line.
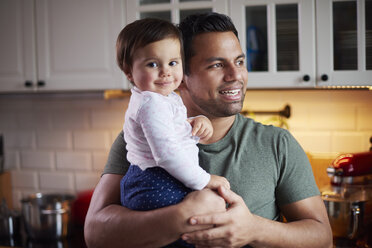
(75,240)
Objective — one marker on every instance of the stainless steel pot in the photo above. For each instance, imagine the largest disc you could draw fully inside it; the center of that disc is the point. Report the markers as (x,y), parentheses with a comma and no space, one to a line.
(47,216)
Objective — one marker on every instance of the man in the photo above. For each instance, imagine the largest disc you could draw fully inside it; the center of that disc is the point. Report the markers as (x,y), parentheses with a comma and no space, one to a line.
(268,172)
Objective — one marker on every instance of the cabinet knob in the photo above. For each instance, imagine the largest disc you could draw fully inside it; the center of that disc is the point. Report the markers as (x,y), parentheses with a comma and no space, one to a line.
(28,84)
(40,83)
(306,78)
(324,77)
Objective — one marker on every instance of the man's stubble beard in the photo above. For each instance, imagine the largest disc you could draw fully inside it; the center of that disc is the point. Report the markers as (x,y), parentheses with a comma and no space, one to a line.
(216,108)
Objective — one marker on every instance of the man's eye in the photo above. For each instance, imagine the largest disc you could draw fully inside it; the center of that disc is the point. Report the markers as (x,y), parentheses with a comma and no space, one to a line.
(152,64)
(173,63)
(217,65)
(240,62)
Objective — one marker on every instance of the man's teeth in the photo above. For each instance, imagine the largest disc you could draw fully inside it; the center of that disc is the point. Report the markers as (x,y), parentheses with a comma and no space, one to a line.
(229,92)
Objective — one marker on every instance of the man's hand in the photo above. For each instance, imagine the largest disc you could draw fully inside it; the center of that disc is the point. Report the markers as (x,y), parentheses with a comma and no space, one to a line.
(201,127)
(200,202)
(307,226)
(232,228)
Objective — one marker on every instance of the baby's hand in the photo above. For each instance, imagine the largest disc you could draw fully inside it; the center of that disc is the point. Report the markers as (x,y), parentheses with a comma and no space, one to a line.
(201,127)
(217,181)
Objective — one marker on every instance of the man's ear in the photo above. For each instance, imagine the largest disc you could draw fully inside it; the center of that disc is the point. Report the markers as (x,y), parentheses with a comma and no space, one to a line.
(183,84)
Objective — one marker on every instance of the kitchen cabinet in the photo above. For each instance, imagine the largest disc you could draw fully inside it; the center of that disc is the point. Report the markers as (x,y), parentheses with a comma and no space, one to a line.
(344,42)
(306,43)
(278,37)
(171,10)
(49,45)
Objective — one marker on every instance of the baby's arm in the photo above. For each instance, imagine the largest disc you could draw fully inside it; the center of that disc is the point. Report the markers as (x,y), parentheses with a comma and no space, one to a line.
(201,127)
(217,181)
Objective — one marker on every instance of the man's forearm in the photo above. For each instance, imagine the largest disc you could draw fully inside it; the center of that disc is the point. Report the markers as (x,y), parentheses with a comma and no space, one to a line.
(108,224)
(116,226)
(302,234)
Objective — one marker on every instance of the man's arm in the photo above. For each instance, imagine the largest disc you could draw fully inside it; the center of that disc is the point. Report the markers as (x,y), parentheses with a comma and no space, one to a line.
(307,226)
(108,224)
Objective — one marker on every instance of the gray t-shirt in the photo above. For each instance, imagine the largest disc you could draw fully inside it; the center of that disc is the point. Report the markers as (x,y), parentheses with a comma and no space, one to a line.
(264,165)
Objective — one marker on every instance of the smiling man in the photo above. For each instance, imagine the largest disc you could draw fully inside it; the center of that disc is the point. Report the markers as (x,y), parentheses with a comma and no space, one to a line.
(268,171)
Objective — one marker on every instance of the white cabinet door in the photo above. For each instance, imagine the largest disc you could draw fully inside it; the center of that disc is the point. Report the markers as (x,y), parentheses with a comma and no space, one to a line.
(76,44)
(278,36)
(50,45)
(172,10)
(17,45)
(344,43)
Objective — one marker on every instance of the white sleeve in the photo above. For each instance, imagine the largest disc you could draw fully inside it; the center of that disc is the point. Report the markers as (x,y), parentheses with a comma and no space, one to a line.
(157,121)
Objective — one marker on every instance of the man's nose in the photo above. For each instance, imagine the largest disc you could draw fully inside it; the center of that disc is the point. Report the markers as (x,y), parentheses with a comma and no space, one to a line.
(233,73)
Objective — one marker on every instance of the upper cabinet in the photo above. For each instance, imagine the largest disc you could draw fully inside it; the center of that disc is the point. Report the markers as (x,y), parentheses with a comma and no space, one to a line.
(59,45)
(278,37)
(48,45)
(172,10)
(305,43)
(344,42)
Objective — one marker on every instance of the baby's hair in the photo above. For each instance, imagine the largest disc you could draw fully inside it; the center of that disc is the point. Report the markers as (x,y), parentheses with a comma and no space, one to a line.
(140,33)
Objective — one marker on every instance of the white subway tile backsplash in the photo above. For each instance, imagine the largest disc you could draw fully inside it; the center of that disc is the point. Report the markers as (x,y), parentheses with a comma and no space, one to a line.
(7,121)
(346,142)
(37,160)
(332,117)
(99,160)
(84,181)
(107,119)
(60,142)
(364,118)
(25,179)
(61,181)
(314,141)
(71,119)
(99,140)
(72,160)
(54,139)
(11,160)
(19,139)
(35,119)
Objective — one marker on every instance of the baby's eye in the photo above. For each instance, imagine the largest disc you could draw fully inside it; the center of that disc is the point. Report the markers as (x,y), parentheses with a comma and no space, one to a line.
(152,64)
(173,63)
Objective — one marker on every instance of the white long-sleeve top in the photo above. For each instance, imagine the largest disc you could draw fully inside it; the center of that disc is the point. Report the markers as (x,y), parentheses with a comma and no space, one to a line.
(157,133)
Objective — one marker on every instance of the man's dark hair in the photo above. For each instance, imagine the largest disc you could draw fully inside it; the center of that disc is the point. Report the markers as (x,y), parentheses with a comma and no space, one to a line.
(196,24)
(140,33)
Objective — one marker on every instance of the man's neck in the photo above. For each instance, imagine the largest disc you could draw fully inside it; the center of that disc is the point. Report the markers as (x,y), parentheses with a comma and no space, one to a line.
(221,126)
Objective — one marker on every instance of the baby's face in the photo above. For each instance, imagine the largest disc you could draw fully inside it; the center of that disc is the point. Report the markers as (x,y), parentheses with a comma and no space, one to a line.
(157,67)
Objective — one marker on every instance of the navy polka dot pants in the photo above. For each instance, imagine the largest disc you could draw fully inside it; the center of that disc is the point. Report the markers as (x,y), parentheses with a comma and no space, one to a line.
(151,189)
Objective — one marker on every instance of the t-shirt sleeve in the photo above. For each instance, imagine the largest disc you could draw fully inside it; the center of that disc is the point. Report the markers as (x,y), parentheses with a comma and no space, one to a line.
(296,181)
(117,162)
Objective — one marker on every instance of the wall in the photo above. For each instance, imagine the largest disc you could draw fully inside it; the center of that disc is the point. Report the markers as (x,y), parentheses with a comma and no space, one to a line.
(60,142)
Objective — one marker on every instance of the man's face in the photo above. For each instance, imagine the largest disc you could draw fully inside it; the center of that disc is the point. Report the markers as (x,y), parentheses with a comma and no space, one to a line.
(216,84)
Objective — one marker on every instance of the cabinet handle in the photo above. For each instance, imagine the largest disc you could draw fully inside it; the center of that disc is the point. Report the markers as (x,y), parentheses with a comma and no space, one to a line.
(306,78)
(40,83)
(28,84)
(324,77)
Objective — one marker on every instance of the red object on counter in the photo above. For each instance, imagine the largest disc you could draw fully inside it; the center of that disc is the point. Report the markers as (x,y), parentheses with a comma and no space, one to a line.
(80,206)
(354,164)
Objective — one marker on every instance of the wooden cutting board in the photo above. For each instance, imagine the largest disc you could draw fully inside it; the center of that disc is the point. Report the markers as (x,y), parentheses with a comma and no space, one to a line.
(6,188)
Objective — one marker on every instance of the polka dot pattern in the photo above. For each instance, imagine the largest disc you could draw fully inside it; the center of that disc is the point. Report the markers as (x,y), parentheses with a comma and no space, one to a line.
(150,189)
